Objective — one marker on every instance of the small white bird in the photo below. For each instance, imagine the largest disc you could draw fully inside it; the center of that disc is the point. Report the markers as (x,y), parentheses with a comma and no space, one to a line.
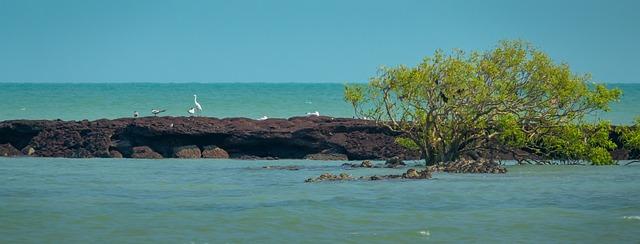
(316,113)
(155,112)
(195,100)
(136,114)
(191,111)
(263,118)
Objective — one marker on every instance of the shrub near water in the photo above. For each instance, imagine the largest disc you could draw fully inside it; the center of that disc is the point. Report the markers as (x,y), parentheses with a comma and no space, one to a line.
(464,104)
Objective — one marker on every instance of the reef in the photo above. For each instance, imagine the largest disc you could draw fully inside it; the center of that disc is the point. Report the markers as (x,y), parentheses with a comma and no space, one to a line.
(319,138)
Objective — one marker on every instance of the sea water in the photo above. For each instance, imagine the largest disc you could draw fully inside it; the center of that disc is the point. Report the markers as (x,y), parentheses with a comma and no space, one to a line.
(252,100)
(53,200)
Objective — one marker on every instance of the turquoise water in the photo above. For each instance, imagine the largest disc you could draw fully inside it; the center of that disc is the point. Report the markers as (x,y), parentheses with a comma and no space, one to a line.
(219,201)
(252,100)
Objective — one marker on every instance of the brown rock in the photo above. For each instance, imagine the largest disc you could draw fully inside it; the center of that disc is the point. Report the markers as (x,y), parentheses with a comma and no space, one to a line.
(394,162)
(414,174)
(145,152)
(115,154)
(7,150)
(366,164)
(326,156)
(190,151)
(29,151)
(330,177)
(214,152)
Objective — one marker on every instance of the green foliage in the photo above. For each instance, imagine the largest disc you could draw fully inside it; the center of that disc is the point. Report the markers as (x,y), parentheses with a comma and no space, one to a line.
(456,103)
(631,136)
(589,142)
(407,143)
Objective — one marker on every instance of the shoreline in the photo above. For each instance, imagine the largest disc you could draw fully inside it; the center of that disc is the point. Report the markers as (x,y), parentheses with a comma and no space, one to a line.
(315,138)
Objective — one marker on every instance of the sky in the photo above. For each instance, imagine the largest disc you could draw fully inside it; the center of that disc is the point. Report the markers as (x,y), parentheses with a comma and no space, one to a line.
(298,41)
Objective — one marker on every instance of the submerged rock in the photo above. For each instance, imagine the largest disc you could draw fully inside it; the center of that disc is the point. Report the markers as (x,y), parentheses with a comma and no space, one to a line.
(330,177)
(364,164)
(190,151)
(415,174)
(276,167)
(115,154)
(470,166)
(214,152)
(7,150)
(145,152)
(326,156)
(394,162)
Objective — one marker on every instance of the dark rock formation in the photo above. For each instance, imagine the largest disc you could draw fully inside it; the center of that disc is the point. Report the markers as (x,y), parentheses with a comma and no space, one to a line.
(364,164)
(214,152)
(279,167)
(292,138)
(394,162)
(145,152)
(190,151)
(7,150)
(330,177)
(470,166)
(326,156)
(115,154)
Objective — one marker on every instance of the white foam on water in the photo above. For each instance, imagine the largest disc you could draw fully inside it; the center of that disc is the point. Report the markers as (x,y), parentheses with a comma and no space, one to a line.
(424,233)
(631,217)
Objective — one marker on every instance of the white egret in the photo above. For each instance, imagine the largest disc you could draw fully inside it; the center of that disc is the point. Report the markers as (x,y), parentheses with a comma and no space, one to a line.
(316,113)
(195,100)
(191,111)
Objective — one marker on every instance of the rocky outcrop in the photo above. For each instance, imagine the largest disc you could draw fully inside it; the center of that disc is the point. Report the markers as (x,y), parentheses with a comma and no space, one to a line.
(190,151)
(145,152)
(469,166)
(7,150)
(327,156)
(330,177)
(394,162)
(295,138)
(214,152)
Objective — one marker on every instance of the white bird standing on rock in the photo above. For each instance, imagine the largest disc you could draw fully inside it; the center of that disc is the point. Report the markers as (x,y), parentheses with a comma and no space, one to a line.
(135,114)
(316,113)
(195,100)
(155,112)
(263,118)
(191,111)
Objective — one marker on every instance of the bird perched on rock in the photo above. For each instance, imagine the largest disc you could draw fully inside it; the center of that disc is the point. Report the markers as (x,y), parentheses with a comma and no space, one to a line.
(316,113)
(135,114)
(263,118)
(155,112)
(191,111)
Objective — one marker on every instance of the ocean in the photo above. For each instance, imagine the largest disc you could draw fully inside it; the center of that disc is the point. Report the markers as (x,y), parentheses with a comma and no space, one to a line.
(57,200)
(252,100)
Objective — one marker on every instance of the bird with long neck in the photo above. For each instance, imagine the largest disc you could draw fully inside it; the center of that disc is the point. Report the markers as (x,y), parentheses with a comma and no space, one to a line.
(195,100)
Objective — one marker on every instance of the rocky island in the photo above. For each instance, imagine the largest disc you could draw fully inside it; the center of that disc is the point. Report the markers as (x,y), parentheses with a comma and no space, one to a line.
(319,138)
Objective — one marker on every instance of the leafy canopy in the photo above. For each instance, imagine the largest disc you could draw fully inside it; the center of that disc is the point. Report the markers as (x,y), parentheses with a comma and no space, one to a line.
(457,104)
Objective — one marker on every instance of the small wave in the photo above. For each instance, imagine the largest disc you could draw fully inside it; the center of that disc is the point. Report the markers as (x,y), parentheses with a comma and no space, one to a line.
(424,233)
(631,217)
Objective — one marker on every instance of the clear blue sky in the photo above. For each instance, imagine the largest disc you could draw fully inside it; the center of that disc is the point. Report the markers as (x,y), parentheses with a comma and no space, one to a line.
(297,41)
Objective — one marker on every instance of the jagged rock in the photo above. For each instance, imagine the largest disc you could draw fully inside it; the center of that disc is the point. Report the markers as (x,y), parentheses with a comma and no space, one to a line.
(330,177)
(7,150)
(326,156)
(252,157)
(145,152)
(469,166)
(214,152)
(414,174)
(115,154)
(190,151)
(292,138)
(277,167)
(394,162)
(364,164)
(28,150)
